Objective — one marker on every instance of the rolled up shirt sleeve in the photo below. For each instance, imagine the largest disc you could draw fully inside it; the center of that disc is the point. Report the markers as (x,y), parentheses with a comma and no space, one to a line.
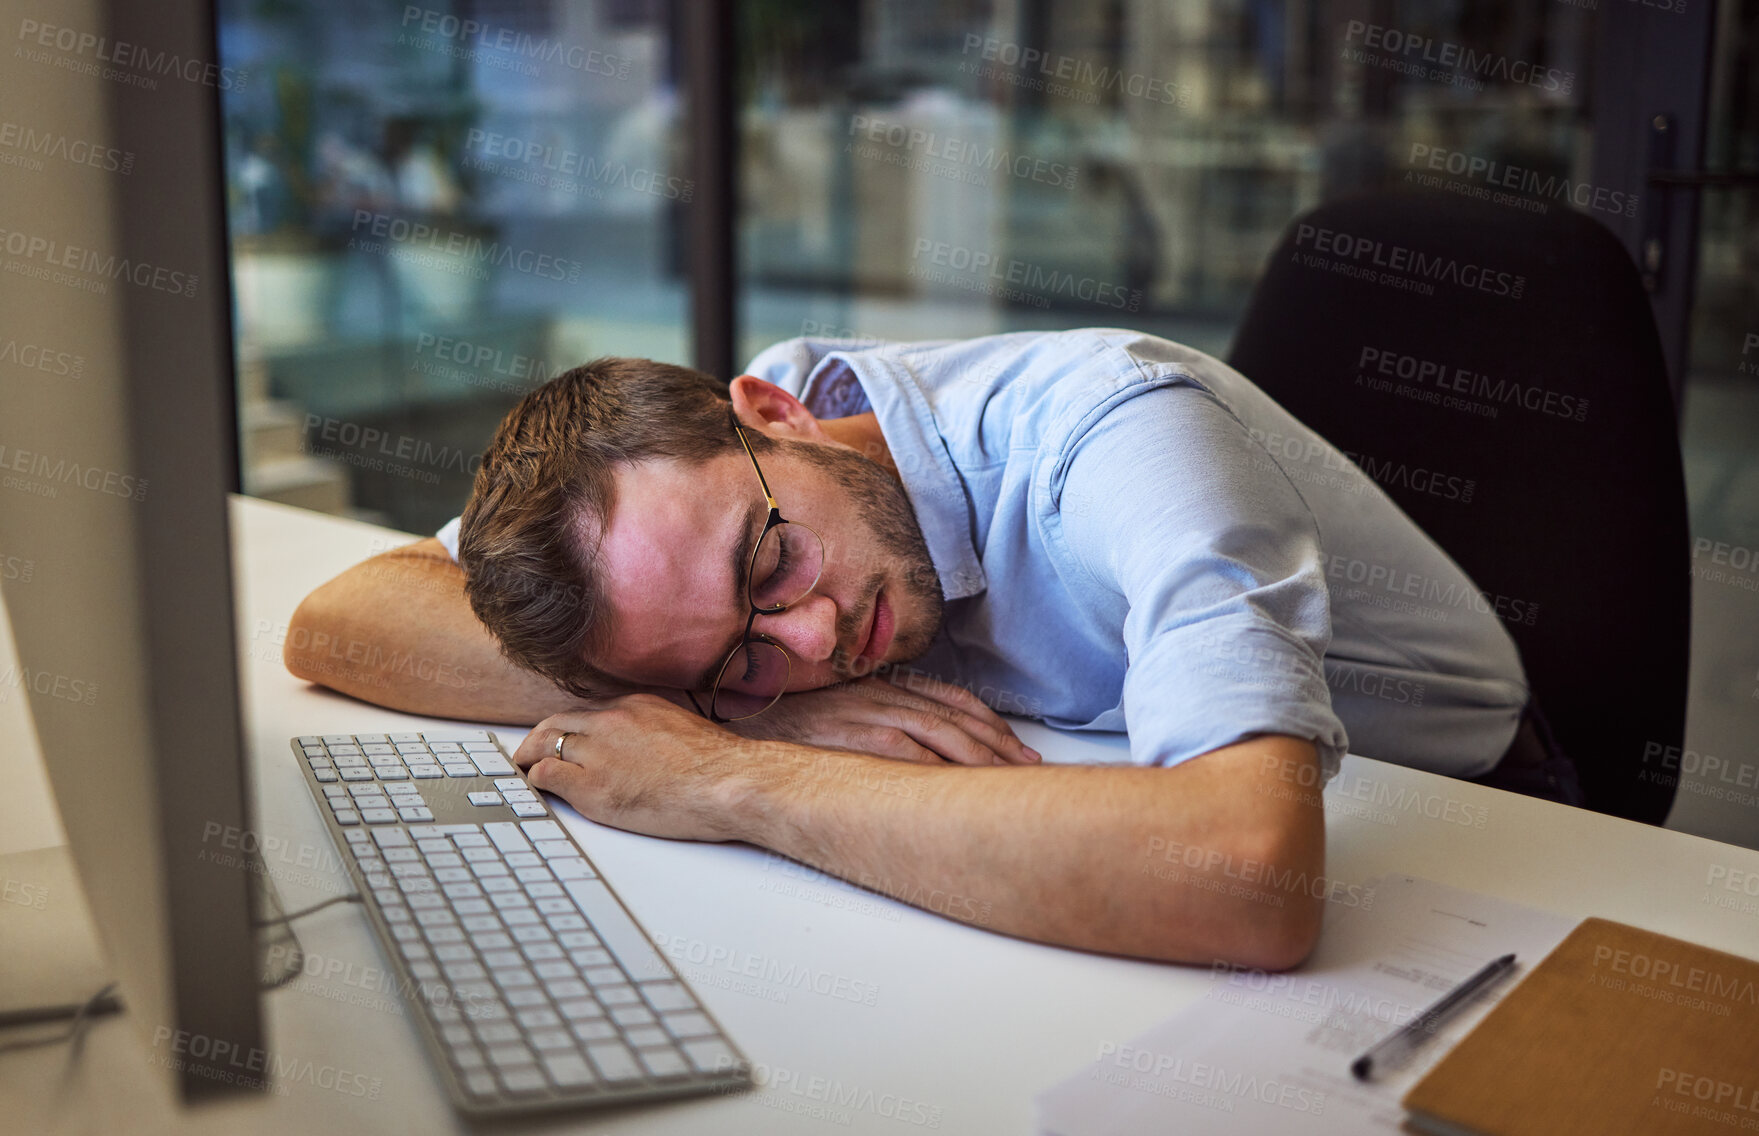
(1166,505)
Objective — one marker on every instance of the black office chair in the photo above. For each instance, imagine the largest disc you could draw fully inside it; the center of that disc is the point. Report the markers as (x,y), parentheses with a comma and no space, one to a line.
(1578,510)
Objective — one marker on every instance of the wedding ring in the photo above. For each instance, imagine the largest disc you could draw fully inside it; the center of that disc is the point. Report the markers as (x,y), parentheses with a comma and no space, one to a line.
(566,734)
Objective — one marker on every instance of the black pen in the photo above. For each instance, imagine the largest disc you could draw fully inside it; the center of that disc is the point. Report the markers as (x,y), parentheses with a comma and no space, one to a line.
(1396,1048)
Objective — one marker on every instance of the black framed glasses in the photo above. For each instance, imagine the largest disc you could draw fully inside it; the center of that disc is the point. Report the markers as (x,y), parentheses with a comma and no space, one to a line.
(785,566)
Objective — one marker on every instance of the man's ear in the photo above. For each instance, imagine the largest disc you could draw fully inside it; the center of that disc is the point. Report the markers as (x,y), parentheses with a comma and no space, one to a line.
(765,406)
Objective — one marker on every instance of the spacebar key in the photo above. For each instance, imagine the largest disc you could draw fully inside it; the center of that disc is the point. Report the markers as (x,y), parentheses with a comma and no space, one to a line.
(620,934)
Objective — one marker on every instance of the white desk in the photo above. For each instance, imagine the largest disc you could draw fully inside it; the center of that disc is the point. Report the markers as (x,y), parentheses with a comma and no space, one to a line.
(821,983)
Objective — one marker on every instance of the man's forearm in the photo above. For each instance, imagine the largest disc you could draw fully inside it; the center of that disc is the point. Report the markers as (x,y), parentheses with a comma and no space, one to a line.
(396,631)
(1070,855)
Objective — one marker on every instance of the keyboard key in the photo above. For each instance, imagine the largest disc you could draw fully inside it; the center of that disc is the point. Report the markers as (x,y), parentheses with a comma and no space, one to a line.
(448,935)
(509,1055)
(445,747)
(468,1058)
(596,1030)
(357,775)
(506,837)
(325,774)
(490,764)
(483,746)
(524,860)
(549,906)
(336,739)
(549,952)
(667,996)
(580,1009)
(614,1061)
(486,797)
(397,774)
(459,770)
(498,1033)
(572,870)
(481,1083)
(519,918)
(502,958)
(551,1039)
(710,1055)
(627,1016)
(538,1017)
(615,996)
(447,860)
(311,740)
(379,816)
(455,952)
(425,771)
(391,838)
(519,796)
(548,890)
(556,849)
(527,996)
(603,976)
(646,1036)
(663,1063)
(493,941)
(347,816)
(687,1024)
(463,971)
(415,814)
(561,988)
(444,735)
(537,874)
(406,854)
(523,1081)
(404,793)
(515,977)
(378,747)
(621,935)
(533,810)
(404,737)
(588,958)
(334,791)
(472,907)
(579,940)
(471,838)
(540,829)
(510,783)
(567,1070)
(364,738)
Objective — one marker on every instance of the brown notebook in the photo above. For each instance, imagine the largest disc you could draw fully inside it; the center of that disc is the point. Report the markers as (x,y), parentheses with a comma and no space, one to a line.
(1619,1031)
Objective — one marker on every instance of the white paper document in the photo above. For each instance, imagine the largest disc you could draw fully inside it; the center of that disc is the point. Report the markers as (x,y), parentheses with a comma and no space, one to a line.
(1272,1052)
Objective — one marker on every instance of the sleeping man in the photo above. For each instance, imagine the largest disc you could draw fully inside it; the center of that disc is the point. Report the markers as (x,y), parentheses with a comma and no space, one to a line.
(706,597)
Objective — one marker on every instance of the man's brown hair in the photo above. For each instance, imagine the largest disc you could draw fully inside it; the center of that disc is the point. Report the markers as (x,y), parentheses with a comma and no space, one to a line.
(529,539)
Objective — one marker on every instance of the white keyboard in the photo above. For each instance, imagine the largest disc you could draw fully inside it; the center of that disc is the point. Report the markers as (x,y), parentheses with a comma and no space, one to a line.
(537,989)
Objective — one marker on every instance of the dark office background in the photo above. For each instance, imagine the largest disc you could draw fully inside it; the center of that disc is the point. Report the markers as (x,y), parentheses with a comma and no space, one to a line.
(435,206)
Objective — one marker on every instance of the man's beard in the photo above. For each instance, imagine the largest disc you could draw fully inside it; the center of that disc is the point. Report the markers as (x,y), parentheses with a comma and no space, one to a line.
(884,510)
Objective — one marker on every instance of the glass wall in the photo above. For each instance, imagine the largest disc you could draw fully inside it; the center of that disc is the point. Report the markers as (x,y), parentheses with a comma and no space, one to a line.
(1720,436)
(435,207)
(917,168)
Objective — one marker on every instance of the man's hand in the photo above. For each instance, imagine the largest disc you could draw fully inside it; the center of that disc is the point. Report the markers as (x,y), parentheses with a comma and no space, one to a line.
(640,763)
(915,719)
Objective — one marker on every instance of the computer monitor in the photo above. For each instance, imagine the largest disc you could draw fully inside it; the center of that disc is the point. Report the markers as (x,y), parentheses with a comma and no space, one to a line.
(113,480)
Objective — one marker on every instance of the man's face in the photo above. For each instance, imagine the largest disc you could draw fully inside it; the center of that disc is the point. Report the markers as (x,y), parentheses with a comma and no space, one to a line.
(674,549)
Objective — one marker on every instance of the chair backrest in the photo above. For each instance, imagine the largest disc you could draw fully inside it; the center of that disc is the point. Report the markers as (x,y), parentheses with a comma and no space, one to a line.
(1499,373)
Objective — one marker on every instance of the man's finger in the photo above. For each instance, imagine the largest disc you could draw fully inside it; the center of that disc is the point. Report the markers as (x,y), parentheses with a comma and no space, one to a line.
(999,735)
(936,733)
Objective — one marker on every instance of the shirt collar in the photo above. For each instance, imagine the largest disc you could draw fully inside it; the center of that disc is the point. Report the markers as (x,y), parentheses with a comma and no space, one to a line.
(931,480)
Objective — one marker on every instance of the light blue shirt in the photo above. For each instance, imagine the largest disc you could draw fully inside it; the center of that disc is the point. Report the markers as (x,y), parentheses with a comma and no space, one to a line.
(1132,536)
